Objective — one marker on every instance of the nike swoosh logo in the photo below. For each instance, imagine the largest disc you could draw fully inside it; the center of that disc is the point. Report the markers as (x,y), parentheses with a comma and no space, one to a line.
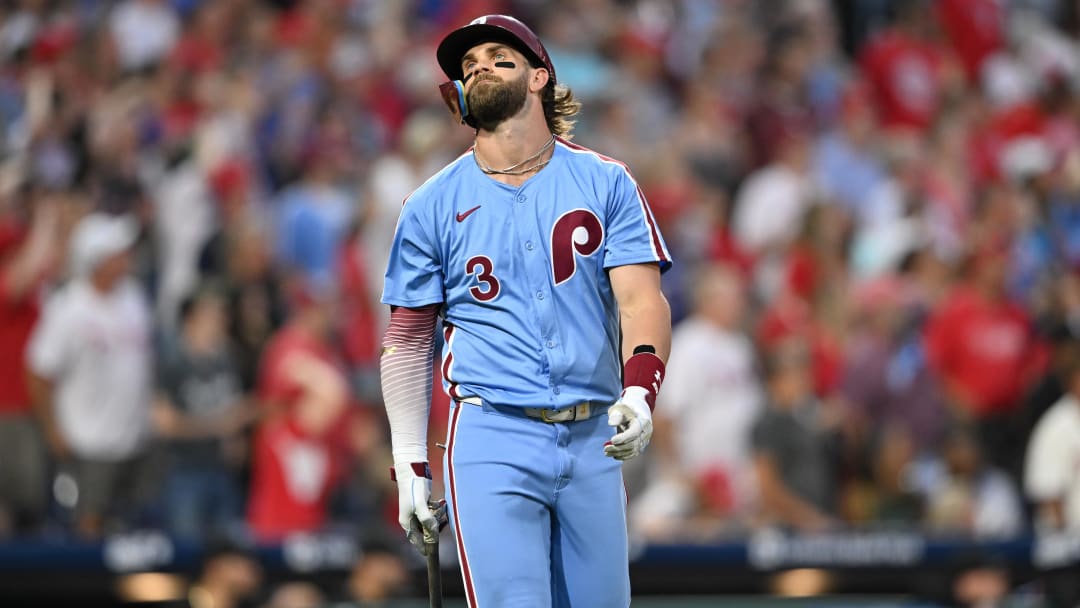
(461,216)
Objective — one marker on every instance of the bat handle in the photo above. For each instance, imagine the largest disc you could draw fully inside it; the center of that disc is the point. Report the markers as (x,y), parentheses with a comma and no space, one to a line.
(434,577)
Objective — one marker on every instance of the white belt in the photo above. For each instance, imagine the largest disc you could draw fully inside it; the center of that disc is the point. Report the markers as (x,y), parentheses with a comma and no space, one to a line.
(547,414)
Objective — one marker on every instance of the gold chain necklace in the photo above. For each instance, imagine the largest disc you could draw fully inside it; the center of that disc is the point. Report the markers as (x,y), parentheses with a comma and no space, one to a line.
(513,169)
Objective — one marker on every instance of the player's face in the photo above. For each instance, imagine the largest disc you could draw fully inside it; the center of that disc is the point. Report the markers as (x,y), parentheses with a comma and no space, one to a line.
(495,91)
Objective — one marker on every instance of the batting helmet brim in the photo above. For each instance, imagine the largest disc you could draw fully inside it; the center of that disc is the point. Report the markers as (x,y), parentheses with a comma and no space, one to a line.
(458,42)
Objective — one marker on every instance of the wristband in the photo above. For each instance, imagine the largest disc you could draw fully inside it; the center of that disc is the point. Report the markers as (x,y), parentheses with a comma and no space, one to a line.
(420,469)
(646,370)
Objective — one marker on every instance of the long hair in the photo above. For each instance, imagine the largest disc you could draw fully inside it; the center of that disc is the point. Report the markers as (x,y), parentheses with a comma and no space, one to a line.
(559,109)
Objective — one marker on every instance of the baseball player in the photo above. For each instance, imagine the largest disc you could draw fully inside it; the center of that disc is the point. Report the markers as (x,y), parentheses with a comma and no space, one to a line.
(542,259)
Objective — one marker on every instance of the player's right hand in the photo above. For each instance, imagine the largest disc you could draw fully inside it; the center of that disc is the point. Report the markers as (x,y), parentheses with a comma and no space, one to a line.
(419,536)
(414,495)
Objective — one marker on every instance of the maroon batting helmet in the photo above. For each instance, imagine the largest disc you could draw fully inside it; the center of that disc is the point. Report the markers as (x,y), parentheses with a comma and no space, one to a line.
(491,28)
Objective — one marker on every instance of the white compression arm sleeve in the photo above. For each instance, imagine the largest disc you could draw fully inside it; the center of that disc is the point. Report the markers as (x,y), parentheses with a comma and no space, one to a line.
(405,366)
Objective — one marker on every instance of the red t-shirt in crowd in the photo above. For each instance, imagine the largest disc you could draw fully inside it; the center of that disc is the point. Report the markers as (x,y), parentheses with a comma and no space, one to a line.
(293,472)
(17,318)
(905,77)
(974,29)
(985,347)
(292,477)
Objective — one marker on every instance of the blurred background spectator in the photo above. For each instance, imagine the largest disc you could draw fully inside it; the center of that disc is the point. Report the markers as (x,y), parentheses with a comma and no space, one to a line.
(792,456)
(200,414)
(229,576)
(90,360)
(983,348)
(891,187)
(703,466)
(1050,477)
(28,258)
(966,495)
(379,576)
(298,452)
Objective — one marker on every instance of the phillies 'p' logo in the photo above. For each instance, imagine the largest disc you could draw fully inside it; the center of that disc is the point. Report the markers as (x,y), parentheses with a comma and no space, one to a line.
(576,232)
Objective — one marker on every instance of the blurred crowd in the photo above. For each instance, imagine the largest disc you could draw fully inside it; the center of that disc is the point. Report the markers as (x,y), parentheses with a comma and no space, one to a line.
(874,208)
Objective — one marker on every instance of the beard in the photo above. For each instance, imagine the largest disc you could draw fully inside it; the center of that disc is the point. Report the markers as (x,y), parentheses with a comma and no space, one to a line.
(490,104)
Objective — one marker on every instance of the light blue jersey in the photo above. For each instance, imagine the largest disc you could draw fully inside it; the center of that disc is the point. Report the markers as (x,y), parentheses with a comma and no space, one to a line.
(530,317)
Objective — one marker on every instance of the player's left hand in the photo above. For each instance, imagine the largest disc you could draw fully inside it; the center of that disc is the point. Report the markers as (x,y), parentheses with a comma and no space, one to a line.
(632,420)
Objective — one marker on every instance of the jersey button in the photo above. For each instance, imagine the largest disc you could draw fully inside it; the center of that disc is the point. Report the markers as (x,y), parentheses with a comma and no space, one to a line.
(539,295)
(551,344)
(529,245)
(521,198)
(556,390)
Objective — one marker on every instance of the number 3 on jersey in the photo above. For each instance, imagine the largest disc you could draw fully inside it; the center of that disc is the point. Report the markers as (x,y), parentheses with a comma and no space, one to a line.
(490,285)
(576,232)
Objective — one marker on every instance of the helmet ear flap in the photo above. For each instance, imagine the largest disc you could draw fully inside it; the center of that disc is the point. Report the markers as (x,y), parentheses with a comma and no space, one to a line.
(453,95)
